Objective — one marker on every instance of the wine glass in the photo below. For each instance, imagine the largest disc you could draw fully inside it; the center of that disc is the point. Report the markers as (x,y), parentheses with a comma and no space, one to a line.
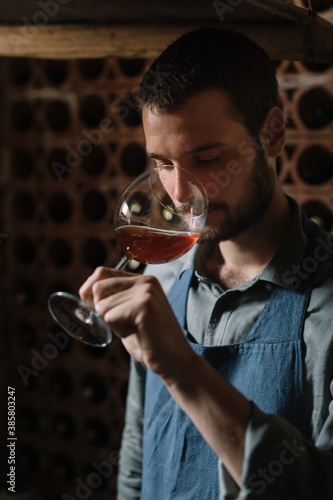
(158,218)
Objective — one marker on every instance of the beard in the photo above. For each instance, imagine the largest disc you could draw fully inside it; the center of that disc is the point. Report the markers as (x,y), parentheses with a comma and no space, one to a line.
(251,208)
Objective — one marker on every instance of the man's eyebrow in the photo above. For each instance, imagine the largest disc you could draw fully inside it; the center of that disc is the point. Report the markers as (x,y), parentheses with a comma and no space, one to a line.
(154,156)
(199,149)
(205,147)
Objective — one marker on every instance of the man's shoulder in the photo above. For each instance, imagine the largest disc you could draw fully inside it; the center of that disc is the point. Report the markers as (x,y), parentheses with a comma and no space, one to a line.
(321,257)
(320,261)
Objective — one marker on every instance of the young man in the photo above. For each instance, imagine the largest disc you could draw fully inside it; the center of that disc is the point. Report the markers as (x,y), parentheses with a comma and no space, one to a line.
(229,393)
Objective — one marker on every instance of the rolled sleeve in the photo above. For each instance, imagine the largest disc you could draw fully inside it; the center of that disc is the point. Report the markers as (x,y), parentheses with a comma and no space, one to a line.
(280,464)
(130,463)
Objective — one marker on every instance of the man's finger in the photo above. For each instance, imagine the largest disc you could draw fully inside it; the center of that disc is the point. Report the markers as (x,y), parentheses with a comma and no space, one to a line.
(110,286)
(100,273)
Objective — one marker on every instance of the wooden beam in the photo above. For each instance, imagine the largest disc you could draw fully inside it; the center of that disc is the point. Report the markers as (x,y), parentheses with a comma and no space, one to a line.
(303,41)
(287,9)
(328,15)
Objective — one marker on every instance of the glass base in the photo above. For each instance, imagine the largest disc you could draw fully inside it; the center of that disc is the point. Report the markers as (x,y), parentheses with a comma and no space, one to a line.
(79,320)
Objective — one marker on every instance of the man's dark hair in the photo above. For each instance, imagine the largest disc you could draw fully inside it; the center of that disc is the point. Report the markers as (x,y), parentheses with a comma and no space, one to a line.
(213,59)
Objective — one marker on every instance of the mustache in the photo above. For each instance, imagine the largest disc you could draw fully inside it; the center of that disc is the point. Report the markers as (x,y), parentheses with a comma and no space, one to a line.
(223,207)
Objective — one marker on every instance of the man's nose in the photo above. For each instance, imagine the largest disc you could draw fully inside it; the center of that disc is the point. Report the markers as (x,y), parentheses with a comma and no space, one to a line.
(183,190)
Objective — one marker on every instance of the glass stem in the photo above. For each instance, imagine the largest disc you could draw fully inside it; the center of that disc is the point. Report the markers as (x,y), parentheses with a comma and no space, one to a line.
(123,262)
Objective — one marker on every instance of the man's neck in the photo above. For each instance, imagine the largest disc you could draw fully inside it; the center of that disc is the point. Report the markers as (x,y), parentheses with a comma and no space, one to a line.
(237,261)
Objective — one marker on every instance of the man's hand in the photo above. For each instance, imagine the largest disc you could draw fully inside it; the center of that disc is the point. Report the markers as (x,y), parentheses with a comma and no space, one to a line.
(137,310)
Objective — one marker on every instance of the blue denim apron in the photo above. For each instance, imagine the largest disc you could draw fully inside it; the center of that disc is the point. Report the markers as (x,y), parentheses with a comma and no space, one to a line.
(267,368)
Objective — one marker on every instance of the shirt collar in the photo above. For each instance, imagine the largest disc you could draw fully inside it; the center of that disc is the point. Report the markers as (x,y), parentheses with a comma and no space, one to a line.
(287,258)
(290,254)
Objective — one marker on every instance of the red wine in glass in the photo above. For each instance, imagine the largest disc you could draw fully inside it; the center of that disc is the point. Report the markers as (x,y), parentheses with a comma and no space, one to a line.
(154,246)
(158,218)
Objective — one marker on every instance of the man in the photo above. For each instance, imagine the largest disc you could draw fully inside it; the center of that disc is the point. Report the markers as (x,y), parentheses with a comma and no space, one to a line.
(229,390)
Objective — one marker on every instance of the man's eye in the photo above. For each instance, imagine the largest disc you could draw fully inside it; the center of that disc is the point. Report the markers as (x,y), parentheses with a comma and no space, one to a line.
(209,162)
(163,164)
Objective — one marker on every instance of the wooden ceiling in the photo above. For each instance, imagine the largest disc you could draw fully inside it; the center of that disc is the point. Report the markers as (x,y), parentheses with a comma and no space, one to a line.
(66,29)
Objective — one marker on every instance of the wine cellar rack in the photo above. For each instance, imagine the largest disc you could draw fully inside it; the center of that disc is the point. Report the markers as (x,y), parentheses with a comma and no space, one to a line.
(71,141)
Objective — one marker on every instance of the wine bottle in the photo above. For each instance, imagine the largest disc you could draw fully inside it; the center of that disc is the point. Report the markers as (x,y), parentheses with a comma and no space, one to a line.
(59,207)
(26,333)
(62,466)
(60,163)
(96,432)
(27,421)
(61,384)
(319,213)
(92,111)
(133,159)
(316,108)
(94,205)
(19,71)
(24,249)
(131,67)
(21,116)
(135,266)
(57,115)
(60,252)
(97,478)
(23,205)
(56,71)
(95,162)
(128,111)
(22,163)
(315,165)
(90,69)
(63,425)
(93,388)
(93,252)
(24,293)
(28,458)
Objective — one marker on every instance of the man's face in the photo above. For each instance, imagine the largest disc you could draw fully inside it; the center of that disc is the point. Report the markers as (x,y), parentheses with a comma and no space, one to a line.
(205,137)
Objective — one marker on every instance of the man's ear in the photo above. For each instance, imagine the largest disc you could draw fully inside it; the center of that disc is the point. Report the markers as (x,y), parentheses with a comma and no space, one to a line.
(273,133)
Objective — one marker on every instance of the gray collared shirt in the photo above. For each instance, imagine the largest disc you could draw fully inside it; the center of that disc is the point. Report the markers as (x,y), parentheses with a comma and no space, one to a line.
(218,317)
